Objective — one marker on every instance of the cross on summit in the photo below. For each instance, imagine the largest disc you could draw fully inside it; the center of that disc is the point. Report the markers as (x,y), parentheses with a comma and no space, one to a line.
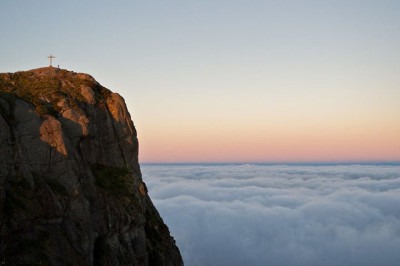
(51,59)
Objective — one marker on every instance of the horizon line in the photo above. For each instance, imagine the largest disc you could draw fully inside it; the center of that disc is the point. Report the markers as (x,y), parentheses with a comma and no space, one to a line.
(395,163)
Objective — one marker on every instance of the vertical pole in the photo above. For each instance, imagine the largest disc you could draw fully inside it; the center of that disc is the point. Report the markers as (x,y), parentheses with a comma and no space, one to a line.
(51,59)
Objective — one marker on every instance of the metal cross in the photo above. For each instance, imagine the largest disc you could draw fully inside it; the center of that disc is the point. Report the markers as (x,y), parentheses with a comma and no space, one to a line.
(51,58)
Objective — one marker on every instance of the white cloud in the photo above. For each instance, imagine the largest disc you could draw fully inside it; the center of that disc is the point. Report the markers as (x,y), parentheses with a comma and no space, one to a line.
(280,215)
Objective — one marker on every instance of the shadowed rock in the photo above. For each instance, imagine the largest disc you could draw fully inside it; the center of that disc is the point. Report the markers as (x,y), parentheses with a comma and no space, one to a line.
(71,190)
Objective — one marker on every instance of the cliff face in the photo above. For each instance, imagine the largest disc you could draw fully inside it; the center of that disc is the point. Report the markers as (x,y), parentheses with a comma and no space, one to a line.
(71,190)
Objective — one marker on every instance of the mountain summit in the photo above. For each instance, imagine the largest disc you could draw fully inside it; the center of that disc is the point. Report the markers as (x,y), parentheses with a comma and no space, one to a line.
(71,189)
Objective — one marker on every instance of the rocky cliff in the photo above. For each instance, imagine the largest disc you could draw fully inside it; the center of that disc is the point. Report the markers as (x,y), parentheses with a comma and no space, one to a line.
(71,190)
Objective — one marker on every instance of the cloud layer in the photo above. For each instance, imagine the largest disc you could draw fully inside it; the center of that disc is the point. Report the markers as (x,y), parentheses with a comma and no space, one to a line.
(279,214)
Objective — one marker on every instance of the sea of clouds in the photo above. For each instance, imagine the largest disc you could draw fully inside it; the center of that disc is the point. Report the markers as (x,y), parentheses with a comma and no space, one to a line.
(280,214)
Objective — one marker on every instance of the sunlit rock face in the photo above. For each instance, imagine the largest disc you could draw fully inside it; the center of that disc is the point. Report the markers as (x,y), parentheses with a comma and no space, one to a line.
(71,190)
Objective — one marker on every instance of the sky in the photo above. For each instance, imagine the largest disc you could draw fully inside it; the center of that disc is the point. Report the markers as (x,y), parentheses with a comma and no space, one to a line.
(281,215)
(229,80)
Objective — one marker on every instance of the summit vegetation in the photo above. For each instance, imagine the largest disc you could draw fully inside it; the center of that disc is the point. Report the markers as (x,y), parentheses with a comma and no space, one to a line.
(44,87)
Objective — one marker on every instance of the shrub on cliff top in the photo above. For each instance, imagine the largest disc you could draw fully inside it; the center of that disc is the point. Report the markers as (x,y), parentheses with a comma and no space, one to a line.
(45,89)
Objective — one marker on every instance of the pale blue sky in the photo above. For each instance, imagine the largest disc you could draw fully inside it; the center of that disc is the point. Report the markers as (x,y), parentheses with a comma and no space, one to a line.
(203,67)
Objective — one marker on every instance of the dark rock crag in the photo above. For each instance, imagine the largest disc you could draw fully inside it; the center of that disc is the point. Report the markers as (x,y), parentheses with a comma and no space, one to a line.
(71,190)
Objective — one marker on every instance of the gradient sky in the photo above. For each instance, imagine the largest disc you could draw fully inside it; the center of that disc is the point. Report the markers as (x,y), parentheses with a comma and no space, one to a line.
(230,80)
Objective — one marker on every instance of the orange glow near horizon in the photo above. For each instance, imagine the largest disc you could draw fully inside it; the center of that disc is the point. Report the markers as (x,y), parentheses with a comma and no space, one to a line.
(323,141)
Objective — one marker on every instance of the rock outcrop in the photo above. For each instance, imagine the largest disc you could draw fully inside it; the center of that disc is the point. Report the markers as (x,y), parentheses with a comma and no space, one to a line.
(71,190)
